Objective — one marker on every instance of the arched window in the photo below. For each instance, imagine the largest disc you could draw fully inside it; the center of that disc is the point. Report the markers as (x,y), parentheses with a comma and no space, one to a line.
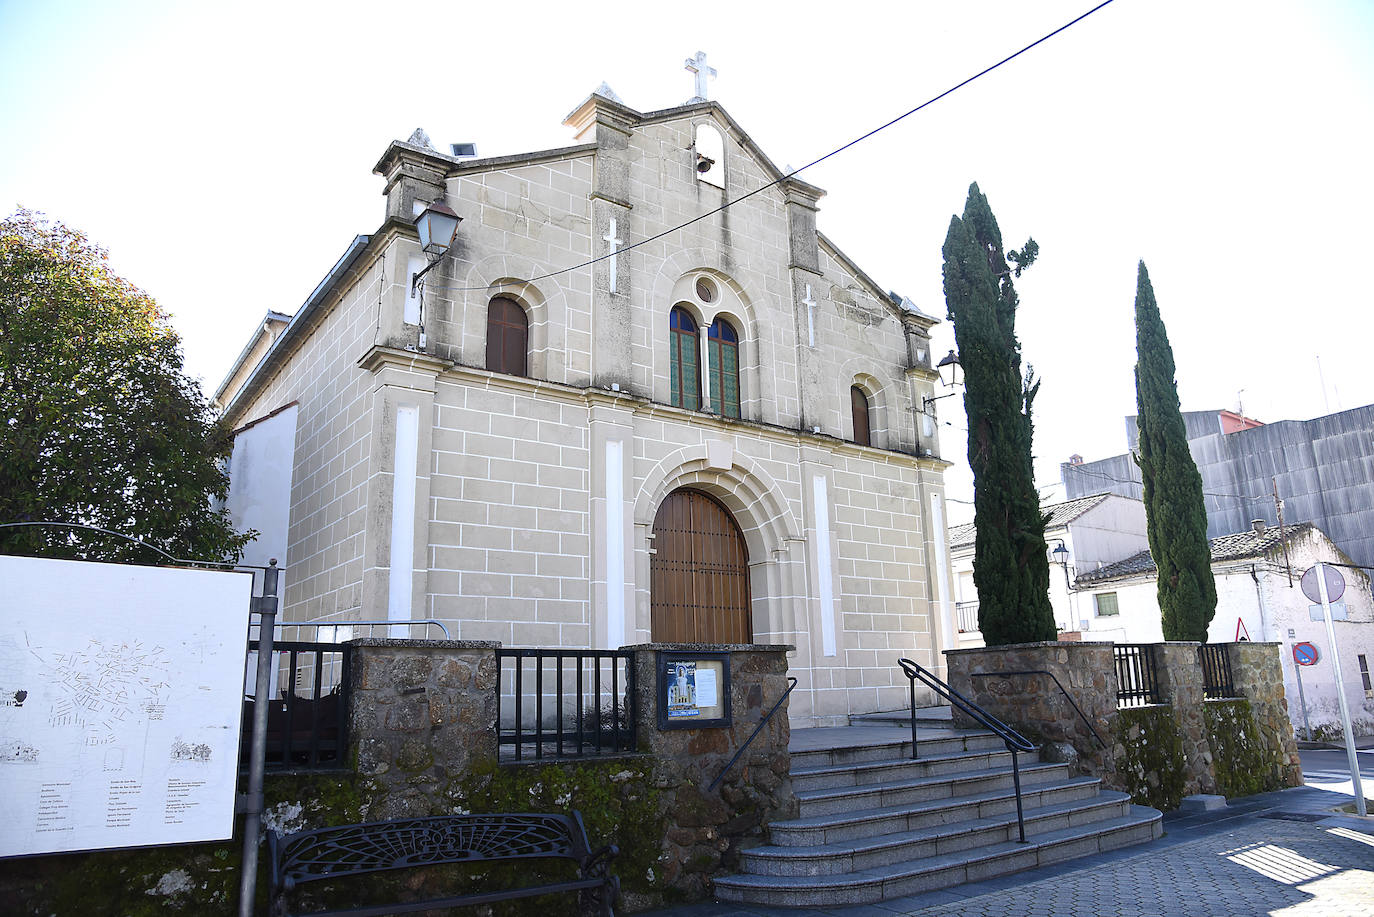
(722,348)
(858,406)
(508,330)
(684,377)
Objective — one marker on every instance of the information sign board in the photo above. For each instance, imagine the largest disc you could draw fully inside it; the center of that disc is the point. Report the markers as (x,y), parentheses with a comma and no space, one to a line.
(120,704)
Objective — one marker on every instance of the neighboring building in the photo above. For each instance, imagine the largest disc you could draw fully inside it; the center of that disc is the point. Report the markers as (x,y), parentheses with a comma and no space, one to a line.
(1257,599)
(1094,530)
(1323,470)
(719,435)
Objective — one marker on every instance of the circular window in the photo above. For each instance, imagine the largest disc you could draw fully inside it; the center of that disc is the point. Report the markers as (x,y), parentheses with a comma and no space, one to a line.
(706,290)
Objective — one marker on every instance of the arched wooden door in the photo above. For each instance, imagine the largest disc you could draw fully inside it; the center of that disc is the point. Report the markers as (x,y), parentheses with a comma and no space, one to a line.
(699,573)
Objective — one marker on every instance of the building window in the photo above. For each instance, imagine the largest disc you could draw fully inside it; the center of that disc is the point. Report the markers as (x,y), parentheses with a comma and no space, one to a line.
(722,345)
(1364,676)
(858,406)
(508,330)
(1106,604)
(684,378)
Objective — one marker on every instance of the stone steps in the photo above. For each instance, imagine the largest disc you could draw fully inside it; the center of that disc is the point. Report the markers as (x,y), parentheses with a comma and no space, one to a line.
(875,824)
(941,871)
(859,854)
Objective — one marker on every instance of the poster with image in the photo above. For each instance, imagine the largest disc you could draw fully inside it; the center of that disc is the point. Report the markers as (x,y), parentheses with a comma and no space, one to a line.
(682,690)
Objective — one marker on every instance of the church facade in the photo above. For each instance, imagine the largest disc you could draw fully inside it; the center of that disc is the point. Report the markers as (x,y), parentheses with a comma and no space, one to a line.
(710,434)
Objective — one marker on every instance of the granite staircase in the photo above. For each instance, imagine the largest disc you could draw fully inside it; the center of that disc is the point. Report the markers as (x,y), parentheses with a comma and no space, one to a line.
(875,824)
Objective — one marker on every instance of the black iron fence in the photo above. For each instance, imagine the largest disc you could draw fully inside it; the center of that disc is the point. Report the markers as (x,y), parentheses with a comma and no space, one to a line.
(307,715)
(1216,670)
(565,703)
(1137,677)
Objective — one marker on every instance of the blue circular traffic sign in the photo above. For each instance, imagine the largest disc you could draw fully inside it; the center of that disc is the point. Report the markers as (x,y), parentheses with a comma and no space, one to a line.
(1305,654)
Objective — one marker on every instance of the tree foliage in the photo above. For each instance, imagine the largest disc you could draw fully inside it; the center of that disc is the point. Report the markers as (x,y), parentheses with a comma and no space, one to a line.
(1010,563)
(99,425)
(1176,517)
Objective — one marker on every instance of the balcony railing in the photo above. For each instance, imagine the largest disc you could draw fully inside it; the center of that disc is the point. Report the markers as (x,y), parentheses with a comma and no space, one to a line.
(1137,677)
(307,720)
(565,703)
(967,616)
(1216,671)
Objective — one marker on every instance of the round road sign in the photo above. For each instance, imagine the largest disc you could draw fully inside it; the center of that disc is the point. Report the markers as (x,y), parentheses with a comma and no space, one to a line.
(1305,654)
(1335,583)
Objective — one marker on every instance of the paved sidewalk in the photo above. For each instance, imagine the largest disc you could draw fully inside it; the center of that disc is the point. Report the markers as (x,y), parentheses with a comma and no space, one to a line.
(1283,854)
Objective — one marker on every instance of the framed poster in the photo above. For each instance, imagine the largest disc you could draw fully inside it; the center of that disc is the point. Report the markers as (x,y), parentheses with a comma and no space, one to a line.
(121,694)
(693,690)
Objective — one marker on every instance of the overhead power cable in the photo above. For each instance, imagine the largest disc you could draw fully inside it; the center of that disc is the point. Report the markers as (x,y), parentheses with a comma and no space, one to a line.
(835,152)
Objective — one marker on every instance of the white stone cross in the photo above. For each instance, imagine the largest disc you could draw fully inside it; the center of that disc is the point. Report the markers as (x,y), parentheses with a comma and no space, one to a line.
(810,316)
(698,67)
(610,237)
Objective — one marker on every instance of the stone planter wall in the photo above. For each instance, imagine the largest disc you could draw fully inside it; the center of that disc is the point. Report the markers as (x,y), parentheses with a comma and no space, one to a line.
(1034,706)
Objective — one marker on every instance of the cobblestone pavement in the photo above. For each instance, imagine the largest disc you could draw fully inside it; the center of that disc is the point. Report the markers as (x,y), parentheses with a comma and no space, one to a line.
(1280,868)
(1282,854)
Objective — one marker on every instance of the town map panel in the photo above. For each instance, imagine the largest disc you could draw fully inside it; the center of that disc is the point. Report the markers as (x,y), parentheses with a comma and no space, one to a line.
(120,699)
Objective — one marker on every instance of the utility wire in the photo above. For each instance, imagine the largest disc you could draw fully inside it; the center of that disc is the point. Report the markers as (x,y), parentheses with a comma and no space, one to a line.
(931,101)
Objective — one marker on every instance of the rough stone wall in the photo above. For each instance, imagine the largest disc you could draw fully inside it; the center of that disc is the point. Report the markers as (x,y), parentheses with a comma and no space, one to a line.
(1181,686)
(1257,674)
(422,714)
(709,828)
(1035,706)
(1158,753)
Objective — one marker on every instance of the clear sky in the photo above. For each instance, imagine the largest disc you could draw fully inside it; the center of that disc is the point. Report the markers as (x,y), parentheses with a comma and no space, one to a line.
(223,155)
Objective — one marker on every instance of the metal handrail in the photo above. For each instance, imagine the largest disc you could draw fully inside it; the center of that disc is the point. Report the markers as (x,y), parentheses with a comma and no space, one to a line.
(1014,741)
(1081,715)
(369,623)
(757,729)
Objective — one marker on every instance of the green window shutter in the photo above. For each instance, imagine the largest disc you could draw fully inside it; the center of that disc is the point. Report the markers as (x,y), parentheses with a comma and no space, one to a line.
(730,379)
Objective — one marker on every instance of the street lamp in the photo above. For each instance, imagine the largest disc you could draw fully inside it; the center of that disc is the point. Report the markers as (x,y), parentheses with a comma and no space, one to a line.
(951,377)
(436,224)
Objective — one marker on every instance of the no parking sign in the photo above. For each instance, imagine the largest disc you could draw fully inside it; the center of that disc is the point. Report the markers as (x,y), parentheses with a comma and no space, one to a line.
(1305,654)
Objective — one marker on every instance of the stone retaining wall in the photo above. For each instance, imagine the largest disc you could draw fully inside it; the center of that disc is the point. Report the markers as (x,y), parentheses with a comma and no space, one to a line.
(1034,706)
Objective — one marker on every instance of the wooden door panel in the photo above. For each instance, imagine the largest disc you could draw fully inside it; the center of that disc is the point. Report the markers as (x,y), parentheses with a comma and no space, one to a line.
(699,575)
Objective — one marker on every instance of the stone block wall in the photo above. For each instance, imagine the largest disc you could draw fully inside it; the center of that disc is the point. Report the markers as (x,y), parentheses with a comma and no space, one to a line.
(707,829)
(422,715)
(1257,673)
(1034,704)
(1182,746)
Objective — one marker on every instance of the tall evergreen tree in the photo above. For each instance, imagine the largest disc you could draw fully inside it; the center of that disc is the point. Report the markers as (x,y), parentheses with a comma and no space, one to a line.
(1176,518)
(1011,567)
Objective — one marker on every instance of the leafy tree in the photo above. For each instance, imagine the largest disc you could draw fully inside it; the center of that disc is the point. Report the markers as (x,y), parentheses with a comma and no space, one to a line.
(1176,518)
(98,423)
(1011,567)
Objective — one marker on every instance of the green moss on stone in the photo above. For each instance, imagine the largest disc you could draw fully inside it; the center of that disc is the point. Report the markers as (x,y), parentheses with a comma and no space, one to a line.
(1151,763)
(1243,763)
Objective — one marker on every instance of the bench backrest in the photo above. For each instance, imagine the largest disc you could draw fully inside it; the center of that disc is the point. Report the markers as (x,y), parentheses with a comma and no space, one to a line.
(349,850)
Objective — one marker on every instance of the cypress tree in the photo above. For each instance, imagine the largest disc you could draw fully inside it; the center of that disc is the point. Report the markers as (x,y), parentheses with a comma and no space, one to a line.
(1010,563)
(1176,518)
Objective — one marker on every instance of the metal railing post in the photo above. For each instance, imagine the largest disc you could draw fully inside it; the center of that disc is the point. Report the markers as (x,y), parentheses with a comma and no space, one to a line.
(252,801)
(1016,782)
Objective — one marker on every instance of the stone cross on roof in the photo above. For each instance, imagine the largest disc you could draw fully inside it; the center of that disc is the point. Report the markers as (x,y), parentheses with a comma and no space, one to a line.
(697,65)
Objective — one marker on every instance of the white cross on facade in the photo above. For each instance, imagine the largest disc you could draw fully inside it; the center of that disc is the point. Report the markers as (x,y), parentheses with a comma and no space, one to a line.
(611,238)
(698,67)
(810,316)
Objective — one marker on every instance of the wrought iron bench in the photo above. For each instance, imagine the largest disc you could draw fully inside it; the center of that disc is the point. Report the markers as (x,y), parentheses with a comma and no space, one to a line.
(352,850)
